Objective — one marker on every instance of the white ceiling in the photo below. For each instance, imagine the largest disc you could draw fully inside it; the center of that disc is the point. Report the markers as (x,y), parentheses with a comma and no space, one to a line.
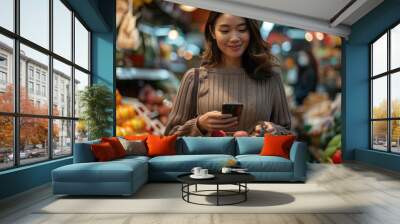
(311,15)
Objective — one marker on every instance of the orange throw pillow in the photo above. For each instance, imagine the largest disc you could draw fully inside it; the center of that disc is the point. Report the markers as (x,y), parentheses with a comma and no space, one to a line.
(116,145)
(161,145)
(277,145)
(136,137)
(103,151)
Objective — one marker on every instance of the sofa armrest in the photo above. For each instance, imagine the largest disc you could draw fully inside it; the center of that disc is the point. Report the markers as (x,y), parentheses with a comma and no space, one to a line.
(83,152)
(299,155)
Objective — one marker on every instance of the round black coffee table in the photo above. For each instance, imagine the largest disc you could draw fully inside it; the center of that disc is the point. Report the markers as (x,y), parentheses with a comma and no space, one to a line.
(238,179)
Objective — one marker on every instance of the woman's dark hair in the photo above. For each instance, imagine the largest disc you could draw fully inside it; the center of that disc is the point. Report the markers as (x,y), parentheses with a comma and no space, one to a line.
(257,59)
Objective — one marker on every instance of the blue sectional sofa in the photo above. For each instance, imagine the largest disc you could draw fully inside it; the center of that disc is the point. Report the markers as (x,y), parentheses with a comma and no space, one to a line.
(125,176)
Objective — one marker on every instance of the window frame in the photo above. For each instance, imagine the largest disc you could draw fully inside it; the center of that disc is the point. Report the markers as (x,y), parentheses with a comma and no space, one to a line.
(16,114)
(388,74)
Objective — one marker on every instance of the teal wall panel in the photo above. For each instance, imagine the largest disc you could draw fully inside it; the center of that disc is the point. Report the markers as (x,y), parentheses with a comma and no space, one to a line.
(355,98)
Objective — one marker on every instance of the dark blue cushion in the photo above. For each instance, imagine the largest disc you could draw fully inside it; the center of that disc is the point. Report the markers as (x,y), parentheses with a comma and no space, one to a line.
(206,145)
(185,163)
(83,153)
(249,145)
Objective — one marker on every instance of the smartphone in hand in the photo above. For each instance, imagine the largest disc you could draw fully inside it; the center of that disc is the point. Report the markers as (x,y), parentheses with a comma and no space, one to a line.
(232,108)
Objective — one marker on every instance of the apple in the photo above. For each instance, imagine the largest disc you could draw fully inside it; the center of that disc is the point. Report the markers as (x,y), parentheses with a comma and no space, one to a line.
(218,133)
(137,124)
(240,134)
(337,157)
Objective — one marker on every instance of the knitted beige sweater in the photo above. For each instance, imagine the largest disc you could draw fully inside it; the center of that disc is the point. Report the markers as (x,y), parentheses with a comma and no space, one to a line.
(263,100)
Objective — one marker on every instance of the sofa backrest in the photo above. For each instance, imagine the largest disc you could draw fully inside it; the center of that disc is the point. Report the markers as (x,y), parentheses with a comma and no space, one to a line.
(206,145)
(83,152)
(190,146)
(249,145)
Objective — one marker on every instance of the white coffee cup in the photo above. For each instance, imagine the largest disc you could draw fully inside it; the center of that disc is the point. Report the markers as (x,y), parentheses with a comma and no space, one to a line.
(203,172)
(226,170)
(196,170)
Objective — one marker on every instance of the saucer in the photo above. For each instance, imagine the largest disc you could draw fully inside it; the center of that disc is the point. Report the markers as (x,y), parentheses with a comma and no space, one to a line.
(208,176)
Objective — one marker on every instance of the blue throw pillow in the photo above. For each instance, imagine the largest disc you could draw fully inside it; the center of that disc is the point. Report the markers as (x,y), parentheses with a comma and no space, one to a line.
(249,145)
(206,145)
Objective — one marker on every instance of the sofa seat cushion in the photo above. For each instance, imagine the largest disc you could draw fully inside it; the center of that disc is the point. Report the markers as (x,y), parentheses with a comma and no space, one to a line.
(111,171)
(185,163)
(257,163)
(133,157)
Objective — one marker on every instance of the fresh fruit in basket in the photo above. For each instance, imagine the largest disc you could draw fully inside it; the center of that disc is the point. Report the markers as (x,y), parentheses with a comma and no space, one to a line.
(124,112)
(121,131)
(129,130)
(118,98)
(135,124)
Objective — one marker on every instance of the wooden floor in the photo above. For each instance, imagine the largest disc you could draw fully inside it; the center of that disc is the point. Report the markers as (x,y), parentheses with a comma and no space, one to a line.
(377,188)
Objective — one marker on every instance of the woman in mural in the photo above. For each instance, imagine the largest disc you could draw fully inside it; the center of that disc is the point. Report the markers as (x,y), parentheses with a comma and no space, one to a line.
(238,67)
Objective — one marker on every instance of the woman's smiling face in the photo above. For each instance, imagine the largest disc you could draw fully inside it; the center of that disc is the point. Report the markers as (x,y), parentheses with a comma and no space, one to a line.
(232,35)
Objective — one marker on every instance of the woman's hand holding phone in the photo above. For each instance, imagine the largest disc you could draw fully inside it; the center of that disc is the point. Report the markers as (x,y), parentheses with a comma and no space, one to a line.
(215,120)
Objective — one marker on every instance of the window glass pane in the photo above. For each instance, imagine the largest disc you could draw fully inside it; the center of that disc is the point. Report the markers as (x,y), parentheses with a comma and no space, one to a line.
(81,81)
(34,100)
(62,89)
(62,138)
(7,14)
(6,74)
(81,45)
(33,139)
(379,55)
(62,29)
(35,21)
(395,94)
(81,132)
(395,136)
(379,135)
(379,97)
(395,47)
(6,142)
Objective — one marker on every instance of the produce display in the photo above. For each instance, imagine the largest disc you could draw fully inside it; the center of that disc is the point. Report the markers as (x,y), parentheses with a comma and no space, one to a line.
(128,121)
(148,113)
(319,124)
(155,103)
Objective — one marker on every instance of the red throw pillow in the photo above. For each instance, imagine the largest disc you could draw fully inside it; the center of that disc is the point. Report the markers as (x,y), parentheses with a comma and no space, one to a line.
(136,137)
(277,145)
(161,145)
(103,151)
(116,145)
